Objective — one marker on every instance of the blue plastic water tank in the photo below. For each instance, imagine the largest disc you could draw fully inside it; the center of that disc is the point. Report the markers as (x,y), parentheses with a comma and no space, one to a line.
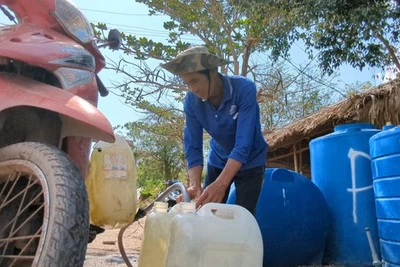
(385,162)
(293,217)
(340,167)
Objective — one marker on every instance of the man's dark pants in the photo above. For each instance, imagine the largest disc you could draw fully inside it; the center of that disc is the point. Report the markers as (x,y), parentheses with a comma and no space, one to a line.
(248,185)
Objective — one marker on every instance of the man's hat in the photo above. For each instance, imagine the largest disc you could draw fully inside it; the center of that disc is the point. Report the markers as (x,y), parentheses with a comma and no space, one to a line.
(192,60)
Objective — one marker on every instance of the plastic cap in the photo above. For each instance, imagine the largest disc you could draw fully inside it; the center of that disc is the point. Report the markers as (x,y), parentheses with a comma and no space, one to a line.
(160,206)
(187,207)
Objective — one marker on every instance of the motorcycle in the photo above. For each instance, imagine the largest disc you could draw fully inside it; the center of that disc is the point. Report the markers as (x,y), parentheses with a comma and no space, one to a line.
(49,88)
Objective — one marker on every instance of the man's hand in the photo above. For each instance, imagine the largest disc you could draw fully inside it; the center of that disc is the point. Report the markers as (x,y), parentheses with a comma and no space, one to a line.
(195,188)
(215,192)
(194,193)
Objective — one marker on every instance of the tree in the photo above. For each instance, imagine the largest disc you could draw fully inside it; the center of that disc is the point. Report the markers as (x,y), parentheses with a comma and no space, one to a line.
(297,95)
(158,153)
(361,33)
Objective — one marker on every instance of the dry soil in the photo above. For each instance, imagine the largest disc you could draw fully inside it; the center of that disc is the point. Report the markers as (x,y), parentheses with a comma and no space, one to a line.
(104,251)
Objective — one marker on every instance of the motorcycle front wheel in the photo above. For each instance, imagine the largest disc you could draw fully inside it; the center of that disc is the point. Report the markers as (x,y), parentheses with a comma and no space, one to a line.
(44,210)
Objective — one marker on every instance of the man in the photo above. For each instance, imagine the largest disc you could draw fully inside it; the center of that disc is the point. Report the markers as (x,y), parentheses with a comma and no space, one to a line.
(227,108)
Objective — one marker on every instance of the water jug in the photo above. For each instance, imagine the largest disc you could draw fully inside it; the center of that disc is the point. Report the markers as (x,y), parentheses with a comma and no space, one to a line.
(111,184)
(154,246)
(217,235)
(153,251)
(385,163)
(341,168)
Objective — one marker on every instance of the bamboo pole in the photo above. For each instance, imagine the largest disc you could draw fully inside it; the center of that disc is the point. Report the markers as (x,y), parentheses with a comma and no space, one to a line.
(296,164)
(301,160)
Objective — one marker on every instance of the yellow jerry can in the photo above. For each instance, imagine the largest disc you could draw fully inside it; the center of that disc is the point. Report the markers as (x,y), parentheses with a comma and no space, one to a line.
(111,184)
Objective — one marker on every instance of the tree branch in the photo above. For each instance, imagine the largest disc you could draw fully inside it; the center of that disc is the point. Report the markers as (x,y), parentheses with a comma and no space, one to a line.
(386,43)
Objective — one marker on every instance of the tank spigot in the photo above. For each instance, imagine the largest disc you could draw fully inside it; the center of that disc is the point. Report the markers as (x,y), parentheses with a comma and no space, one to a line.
(375,258)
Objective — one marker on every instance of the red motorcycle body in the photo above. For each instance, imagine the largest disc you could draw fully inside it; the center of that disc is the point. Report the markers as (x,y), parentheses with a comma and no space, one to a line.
(39,46)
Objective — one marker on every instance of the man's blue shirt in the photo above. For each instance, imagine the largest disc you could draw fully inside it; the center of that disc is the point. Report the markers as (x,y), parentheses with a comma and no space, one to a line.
(234,127)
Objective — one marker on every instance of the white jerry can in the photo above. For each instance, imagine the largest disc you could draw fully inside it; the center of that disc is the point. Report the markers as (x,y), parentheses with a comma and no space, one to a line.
(153,252)
(217,235)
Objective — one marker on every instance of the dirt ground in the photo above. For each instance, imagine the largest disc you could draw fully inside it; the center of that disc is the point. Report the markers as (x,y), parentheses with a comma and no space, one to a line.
(104,251)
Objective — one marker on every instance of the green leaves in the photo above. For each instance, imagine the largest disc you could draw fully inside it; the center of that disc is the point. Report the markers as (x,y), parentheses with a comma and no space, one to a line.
(157,150)
(359,32)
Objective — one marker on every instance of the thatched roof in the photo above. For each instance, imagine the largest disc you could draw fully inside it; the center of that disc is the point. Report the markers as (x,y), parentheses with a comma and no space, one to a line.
(378,105)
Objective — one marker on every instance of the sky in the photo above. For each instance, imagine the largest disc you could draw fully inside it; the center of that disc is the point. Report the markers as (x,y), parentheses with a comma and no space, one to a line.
(127,15)
(131,17)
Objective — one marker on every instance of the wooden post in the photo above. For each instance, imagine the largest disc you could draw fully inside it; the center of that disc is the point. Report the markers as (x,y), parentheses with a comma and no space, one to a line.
(301,159)
(296,166)
(287,155)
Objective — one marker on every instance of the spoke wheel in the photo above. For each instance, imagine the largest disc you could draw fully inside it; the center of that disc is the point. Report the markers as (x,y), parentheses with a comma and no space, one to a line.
(43,208)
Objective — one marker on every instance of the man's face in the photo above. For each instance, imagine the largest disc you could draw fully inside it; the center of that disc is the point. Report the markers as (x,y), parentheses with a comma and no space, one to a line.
(197,83)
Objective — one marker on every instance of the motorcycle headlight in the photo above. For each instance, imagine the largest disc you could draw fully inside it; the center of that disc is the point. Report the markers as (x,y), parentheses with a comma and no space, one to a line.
(73,21)
(70,78)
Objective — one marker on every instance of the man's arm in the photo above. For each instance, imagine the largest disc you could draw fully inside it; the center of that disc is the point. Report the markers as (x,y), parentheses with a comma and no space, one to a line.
(195,176)
(246,123)
(231,168)
(215,192)
(193,144)
(192,138)
(195,188)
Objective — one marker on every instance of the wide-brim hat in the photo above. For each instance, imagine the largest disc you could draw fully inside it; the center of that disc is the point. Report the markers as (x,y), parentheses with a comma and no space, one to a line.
(194,59)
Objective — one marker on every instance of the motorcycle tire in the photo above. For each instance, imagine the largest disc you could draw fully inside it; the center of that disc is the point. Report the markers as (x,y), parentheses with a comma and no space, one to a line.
(44,209)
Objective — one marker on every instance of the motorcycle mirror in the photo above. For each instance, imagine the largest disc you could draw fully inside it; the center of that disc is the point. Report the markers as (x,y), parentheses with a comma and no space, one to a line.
(114,39)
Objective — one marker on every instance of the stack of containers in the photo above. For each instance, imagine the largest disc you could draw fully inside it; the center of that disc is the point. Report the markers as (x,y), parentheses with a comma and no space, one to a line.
(340,167)
(385,155)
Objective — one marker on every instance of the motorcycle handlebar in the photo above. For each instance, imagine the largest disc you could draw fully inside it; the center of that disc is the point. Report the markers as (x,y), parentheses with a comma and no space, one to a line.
(103,91)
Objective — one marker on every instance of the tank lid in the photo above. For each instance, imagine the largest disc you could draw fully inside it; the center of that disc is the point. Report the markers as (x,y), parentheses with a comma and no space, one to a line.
(386,142)
(353,127)
(349,129)
(388,126)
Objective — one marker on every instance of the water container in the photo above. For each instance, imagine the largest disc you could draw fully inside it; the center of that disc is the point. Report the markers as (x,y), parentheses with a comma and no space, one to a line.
(217,235)
(153,251)
(111,184)
(340,167)
(385,162)
(293,217)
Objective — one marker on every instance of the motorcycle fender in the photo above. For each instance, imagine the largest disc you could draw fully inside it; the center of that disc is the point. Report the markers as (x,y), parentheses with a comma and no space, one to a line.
(79,117)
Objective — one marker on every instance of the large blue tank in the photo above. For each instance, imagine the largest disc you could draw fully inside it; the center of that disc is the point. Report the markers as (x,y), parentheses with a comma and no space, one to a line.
(340,167)
(385,162)
(293,217)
